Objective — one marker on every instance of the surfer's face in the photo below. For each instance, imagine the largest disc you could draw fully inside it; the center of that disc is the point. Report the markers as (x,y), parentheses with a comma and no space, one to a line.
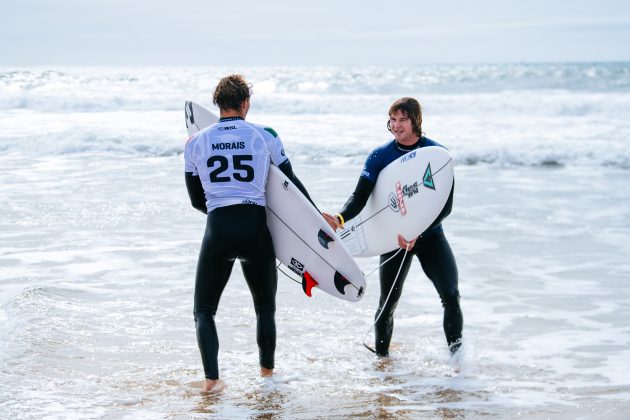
(401,128)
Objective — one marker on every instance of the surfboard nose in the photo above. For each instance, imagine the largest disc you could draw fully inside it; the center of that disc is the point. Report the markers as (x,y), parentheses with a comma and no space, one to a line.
(189,113)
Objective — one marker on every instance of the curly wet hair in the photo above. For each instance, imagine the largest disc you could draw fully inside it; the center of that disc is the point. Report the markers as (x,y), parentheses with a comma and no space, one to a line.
(231,92)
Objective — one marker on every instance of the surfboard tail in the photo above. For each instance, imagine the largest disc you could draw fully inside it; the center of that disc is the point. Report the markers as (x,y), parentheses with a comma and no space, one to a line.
(308,282)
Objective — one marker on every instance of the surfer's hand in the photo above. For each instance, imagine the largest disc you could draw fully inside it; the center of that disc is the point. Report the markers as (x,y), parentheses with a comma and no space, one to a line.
(332,221)
(402,242)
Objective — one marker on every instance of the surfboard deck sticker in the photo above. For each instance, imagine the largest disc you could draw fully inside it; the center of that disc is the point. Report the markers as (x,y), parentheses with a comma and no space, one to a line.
(408,196)
(302,239)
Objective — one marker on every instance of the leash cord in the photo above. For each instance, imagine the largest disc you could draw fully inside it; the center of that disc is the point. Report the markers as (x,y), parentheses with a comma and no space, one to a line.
(388,295)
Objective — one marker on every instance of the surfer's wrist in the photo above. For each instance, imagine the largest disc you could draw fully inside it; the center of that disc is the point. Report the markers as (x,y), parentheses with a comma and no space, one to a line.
(340,219)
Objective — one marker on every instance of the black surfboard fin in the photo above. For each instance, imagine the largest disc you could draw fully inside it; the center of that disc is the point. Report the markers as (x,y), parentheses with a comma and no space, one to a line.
(341,282)
(324,238)
(308,283)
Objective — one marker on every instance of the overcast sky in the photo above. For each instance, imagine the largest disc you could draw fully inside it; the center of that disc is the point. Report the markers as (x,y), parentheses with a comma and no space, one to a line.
(320,32)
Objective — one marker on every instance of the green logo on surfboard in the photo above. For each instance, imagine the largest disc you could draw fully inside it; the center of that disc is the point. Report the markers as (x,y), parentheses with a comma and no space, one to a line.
(427,179)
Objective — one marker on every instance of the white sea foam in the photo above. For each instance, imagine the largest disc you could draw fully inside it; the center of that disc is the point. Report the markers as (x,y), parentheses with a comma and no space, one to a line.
(161,88)
(505,115)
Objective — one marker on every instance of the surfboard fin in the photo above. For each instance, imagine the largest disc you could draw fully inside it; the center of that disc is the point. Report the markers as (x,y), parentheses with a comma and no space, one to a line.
(308,283)
(341,282)
(324,238)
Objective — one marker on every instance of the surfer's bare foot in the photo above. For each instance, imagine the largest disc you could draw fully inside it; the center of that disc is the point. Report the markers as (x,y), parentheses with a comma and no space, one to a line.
(264,372)
(213,385)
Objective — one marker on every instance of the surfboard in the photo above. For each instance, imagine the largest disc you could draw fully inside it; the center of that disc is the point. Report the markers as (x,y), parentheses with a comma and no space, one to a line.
(302,239)
(408,196)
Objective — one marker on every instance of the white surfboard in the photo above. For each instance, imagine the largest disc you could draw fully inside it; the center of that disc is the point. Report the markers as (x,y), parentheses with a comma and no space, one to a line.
(302,239)
(408,196)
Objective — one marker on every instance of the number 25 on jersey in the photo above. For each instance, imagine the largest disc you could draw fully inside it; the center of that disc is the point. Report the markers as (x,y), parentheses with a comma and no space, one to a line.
(242,171)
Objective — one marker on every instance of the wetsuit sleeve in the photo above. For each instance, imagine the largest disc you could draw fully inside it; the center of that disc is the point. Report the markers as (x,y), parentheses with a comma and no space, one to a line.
(286,169)
(195,192)
(357,199)
(448,207)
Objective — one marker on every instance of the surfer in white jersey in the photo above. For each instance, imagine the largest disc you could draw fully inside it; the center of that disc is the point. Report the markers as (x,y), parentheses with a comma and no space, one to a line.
(431,247)
(226,167)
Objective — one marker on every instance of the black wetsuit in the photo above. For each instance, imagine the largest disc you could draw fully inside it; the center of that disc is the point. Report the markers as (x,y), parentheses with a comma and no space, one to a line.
(234,231)
(431,249)
(237,231)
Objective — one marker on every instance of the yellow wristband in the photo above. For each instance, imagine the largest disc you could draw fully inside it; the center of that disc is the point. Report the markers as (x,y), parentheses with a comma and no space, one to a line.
(340,218)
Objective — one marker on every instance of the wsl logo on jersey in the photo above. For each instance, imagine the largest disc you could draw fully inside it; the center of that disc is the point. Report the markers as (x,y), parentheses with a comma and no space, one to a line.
(228,146)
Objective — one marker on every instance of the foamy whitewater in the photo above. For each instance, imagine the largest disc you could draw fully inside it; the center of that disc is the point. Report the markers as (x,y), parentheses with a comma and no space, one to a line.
(99,243)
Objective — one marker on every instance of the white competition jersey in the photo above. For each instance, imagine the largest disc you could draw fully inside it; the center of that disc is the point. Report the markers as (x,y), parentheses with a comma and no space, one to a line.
(232,160)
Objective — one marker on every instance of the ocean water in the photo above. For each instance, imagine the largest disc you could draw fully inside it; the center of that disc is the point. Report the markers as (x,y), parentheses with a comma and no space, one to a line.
(98,247)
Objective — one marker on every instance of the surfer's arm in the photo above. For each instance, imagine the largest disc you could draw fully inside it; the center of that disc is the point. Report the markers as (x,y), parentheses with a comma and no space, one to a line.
(357,199)
(195,192)
(287,169)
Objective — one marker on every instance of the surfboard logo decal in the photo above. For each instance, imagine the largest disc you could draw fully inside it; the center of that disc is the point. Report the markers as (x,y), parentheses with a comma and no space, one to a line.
(410,190)
(296,266)
(427,179)
(400,199)
(392,202)
(408,156)
(189,113)
(190,116)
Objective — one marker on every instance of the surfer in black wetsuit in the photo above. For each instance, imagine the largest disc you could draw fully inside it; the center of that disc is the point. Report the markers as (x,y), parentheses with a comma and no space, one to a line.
(431,247)
(226,168)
